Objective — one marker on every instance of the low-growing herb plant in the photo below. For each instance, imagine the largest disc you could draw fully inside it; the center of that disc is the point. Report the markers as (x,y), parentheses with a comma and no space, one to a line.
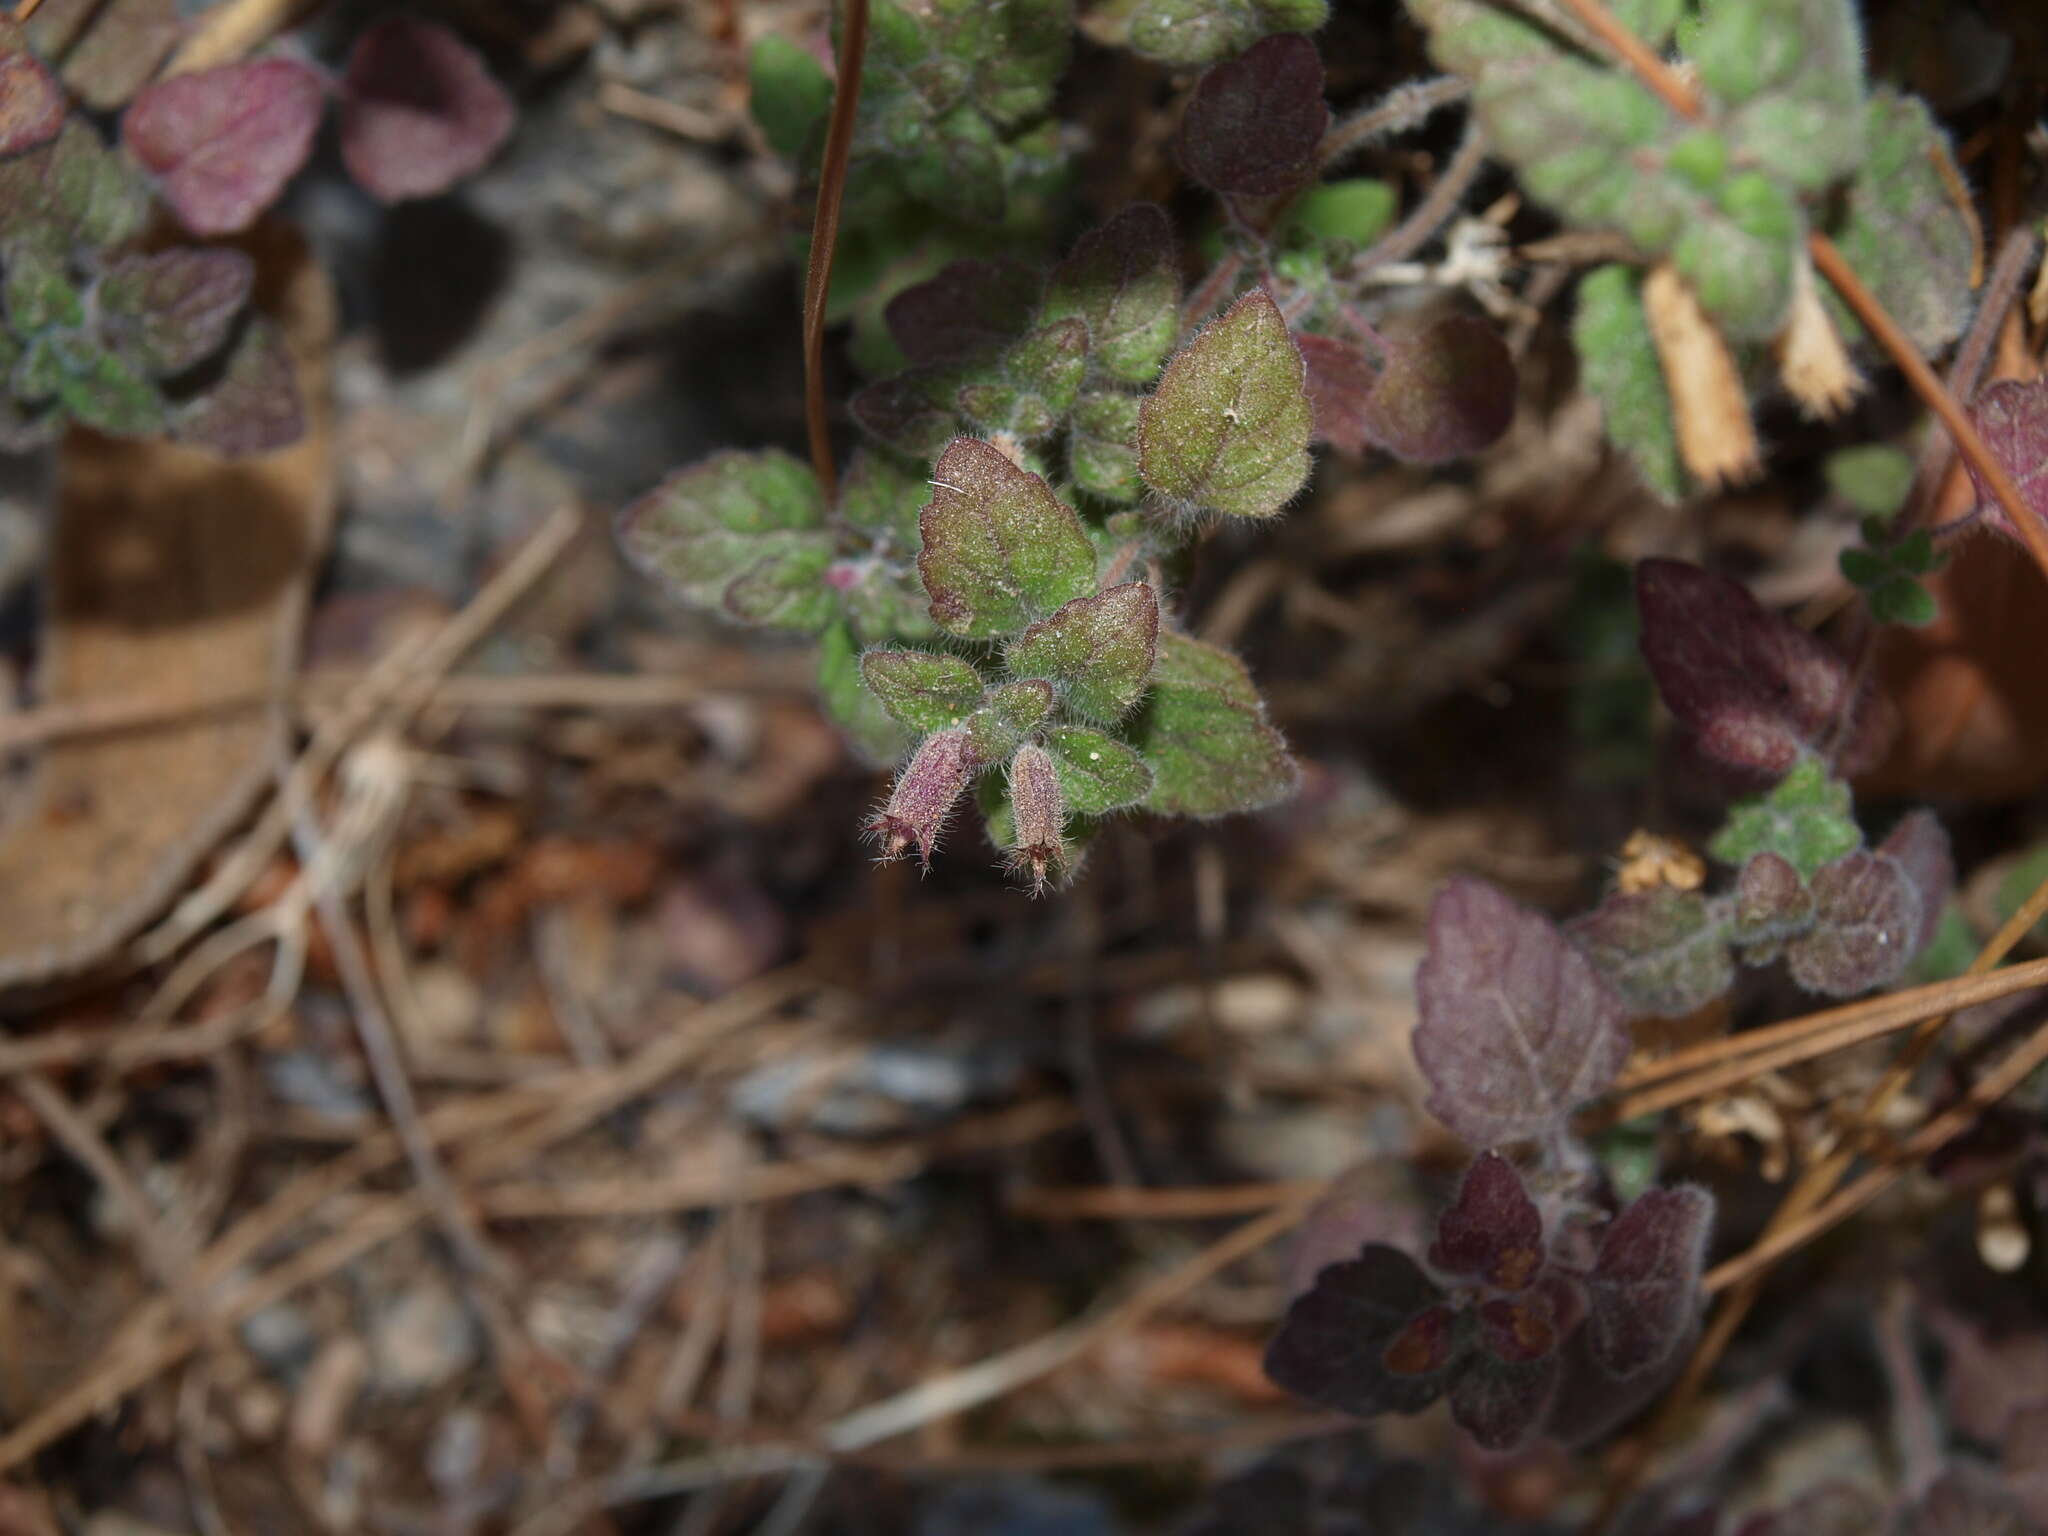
(109,326)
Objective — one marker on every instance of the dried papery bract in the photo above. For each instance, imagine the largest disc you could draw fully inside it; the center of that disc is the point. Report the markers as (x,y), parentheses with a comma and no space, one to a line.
(925,793)
(1040,850)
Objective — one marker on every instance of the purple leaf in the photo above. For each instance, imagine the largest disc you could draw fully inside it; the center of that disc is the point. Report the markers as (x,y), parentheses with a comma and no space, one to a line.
(970,309)
(1921,848)
(1444,393)
(225,141)
(255,407)
(2011,416)
(1501,1403)
(418,110)
(1000,550)
(1866,919)
(1965,1501)
(1492,1230)
(1590,1402)
(172,311)
(31,103)
(1665,951)
(1517,1330)
(1254,122)
(1771,905)
(1333,1343)
(1644,1289)
(1516,1029)
(1755,689)
(914,411)
(1340,376)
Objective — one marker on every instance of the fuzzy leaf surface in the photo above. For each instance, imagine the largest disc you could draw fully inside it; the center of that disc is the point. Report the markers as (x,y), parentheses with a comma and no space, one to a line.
(1902,229)
(1493,1230)
(1188,32)
(1771,905)
(999,548)
(1665,951)
(706,527)
(1445,392)
(419,111)
(223,142)
(788,91)
(1516,1029)
(1618,362)
(1866,917)
(1921,847)
(1501,1403)
(1227,428)
(1099,649)
(924,690)
(173,310)
(1339,378)
(1102,455)
(1097,773)
(1806,818)
(1252,126)
(1036,383)
(255,407)
(1333,1342)
(1755,689)
(969,309)
(32,104)
(1644,1291)
(1123,281)
(1202,731)
(2012,417)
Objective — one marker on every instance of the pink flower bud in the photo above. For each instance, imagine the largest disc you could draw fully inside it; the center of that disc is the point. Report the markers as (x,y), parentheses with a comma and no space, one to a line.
(1041,811)
(925,794)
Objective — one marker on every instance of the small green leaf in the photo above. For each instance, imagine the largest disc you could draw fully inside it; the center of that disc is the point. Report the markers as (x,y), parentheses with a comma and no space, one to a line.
(1665,951)
(785,587)
(1873,478)
(881,496)
(876,737)
(1123,281)
(1740,266)
(1099,649)
(1228,426)
(1098,773)
(101,199)
(36,288)
(1902,230)
(1792,74)
(104,393)
(1190,32)
(1899,599)
(926,691)
(1863,567)
(788,92)
(1009,712)
(1102,453)
(1203,733)
(1039,378)
(999,548)
(704,527)
(1805,819)
(1351,212)
(1618,363)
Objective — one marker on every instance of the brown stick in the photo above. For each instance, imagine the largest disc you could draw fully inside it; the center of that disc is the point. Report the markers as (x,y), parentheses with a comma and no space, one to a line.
(853,47)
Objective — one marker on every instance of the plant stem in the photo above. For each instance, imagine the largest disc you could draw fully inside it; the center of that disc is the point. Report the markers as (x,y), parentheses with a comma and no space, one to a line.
(1832,265)
(853,47)
(1404,107)
(1659,76)
(1429,215)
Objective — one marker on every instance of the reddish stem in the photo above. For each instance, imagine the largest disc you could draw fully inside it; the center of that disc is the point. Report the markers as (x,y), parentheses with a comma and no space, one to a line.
(853,47)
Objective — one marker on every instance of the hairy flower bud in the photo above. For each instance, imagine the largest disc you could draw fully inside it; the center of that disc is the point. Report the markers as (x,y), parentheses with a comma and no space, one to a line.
(924,796)
(1041,811)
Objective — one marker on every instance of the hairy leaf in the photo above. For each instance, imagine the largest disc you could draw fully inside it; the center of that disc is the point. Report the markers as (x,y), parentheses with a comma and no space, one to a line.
(1008,713)
(875,737)
(970,309)
(2012,417)
(419,111)
(1339,378)
(1203,734)
(1035,385)
(1445,392)
(1098,773)
(999,548)
(1228,426)
(1333,1344)
(172,311)
(32,103)
(1771,905)
(1644,1291)
(1755,689)
(1866,919)
(705,527)
(1099,649)
(1352,213)
(1516,1029)
(1188,32)
(1805,818)
(1791,74)
(1493,1230)
(1665,951)
(1921,848)
(1123,281)
(882,497)
(1618,363)
(254,407)
(916,412)
(1501,1403)
(1102,452)
(71,189)
(925,690)
(1903,230)
(223,142)
(1252,126)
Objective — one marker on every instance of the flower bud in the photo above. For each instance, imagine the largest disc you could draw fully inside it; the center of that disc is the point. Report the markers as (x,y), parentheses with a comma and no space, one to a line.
(924,796)
(1041,811)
